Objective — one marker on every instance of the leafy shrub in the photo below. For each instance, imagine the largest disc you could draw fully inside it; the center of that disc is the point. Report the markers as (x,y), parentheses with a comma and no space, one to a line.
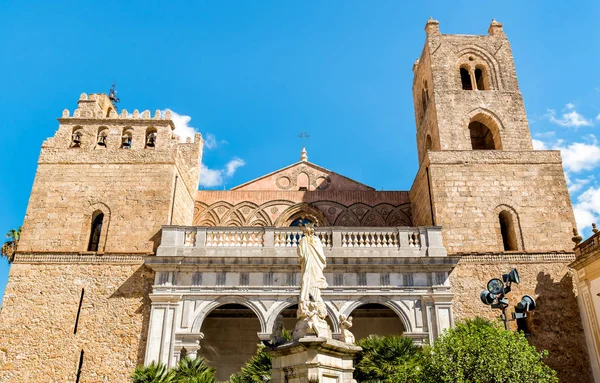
(393,359)
(480,351)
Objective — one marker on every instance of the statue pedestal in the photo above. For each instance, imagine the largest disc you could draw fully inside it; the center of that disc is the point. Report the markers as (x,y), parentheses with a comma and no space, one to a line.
(313,359)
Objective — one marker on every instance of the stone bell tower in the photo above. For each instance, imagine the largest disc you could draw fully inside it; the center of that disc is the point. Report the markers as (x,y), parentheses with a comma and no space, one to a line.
(501,204)
(76,303)
(479,176)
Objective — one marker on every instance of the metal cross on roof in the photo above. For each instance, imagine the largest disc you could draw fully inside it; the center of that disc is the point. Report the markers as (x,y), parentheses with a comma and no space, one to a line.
(304,136)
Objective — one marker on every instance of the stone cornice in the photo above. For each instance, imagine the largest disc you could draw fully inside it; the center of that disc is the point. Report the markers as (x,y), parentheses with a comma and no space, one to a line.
(514,257)
(463,157)
(79,258)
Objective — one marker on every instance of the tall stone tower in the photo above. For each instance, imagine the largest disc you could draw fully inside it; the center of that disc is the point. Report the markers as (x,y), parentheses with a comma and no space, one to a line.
(105,184)
(479,176)
(501,204)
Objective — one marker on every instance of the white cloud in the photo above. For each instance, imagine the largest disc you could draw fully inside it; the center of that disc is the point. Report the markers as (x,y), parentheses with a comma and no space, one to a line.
(183,129)
(216,177)
(233,165)
(579,183)
(579,156)
(598,117)
(210,141)
(209,177)
(570,118)
(549,134)
(539,145)
(587,208)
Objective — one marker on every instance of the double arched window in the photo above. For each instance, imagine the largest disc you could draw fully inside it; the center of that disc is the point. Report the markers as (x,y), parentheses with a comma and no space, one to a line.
(474,76)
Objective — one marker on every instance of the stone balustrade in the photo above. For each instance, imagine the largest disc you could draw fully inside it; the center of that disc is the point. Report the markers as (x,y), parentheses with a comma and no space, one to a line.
(590,245)
(392,241)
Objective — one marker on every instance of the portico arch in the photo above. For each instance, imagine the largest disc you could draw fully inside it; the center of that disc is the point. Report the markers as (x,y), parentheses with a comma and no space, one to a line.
(396,308)
(230,335)
(203,311)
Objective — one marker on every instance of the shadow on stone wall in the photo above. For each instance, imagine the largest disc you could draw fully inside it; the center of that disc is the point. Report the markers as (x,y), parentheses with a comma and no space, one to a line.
(557,328)
(139,286)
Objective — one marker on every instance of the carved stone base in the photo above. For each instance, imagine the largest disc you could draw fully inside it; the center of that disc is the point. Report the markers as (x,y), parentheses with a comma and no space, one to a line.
(313,359)
(311,327)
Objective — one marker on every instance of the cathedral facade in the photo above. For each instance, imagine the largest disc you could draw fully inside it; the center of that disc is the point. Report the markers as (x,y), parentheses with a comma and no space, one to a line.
(123,261)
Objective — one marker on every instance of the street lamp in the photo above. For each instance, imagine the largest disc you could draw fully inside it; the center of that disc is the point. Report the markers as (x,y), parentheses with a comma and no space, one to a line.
(495,296)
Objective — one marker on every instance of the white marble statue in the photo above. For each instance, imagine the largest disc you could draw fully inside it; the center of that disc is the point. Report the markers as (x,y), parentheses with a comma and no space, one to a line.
(345,325)
(311,308)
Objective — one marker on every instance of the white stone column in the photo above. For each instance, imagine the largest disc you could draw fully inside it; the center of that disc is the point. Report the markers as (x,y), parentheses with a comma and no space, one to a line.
(589,321)
(159,347)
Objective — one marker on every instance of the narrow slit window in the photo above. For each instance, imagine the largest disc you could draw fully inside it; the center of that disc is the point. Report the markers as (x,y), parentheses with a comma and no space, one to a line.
(78,311)
(79,366)
(465,78)
(507,230)
(97,219)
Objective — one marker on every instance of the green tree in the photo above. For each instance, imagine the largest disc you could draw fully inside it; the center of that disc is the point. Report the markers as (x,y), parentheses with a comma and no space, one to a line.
(10,246)
(153,373)
(480,351)
(387,359)
(193,371)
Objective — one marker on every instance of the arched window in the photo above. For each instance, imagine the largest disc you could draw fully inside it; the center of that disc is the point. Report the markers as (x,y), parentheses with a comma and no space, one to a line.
(97,219)
(76,137)
(150,137)
(126,139)
(428,143)
(481,136)
(507,230)
(481,78)
(465,78)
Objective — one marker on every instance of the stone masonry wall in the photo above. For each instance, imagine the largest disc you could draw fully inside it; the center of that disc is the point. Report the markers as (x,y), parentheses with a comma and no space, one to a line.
(420,202)
(135,198)
(556,321)
(471,188)
(38,317)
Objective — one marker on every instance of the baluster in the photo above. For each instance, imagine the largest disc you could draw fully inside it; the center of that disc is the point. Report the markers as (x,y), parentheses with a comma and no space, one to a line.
(361,241)
(344,243)
(286,239)
(277,239)
(395,239)
(209,237)
(354,239)
(379,243)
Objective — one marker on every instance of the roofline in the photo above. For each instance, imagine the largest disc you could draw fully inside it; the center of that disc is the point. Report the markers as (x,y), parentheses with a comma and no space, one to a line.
(294,164)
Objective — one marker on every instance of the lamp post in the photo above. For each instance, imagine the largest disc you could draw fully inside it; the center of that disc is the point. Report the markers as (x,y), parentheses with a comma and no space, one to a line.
(495,296)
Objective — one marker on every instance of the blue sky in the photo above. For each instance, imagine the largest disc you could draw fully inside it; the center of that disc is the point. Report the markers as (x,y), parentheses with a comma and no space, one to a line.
(251,75)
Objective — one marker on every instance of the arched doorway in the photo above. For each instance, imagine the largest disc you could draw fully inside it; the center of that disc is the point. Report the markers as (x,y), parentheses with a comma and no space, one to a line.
(375,319)
(230,338)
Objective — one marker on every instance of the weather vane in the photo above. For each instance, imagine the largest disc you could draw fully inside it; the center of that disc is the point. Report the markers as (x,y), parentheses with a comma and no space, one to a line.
(304,136)
(112,95)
